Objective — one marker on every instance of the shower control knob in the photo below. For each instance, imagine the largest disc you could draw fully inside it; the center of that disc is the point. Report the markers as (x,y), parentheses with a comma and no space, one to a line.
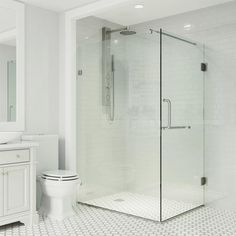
(80,72)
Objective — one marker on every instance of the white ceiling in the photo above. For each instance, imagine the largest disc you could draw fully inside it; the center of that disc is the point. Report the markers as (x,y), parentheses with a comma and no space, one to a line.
(10,42)
(7,19)
(126,14)
(58,5)
(153,8)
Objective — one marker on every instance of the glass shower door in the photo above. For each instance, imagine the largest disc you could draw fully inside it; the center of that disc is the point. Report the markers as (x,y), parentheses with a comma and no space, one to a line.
(182,113)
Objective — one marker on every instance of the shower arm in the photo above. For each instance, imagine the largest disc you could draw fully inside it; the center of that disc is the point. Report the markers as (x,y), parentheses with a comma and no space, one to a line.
(117,30)
(169,126)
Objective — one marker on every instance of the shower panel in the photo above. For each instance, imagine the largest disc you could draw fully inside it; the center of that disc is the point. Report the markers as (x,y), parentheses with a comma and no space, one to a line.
(147,162)
(108,69)
(107,73)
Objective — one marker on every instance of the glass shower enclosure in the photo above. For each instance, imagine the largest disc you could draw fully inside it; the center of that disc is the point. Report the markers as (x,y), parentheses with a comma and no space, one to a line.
(140,113)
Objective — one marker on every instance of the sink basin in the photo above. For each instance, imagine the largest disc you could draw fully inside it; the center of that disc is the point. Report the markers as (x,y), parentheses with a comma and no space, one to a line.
(6,137)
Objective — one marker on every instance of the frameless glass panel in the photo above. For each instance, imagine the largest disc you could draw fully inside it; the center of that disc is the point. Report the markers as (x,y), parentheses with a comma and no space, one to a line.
(182,125)
(118,118)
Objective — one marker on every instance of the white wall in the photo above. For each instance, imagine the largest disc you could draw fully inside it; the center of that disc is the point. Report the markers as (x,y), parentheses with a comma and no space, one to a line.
(42,71)
(61,91)
(216,27)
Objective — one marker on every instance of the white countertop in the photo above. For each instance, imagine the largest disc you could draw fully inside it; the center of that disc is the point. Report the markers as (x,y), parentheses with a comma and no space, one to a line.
(18,145)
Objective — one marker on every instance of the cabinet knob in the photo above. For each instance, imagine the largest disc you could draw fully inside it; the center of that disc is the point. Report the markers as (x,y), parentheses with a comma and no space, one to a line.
(18,156)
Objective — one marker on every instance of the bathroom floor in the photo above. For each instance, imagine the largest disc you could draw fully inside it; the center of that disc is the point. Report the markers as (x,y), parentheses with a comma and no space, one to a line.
(204,221)
(141,205)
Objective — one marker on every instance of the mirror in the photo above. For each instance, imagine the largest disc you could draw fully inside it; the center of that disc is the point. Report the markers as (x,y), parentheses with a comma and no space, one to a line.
(11,66)
(7,80)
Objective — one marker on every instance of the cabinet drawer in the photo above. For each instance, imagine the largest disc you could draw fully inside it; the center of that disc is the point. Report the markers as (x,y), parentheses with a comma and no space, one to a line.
(16,156)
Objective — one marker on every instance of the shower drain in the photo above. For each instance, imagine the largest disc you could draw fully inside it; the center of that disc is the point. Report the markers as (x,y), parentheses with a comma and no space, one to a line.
(119,200)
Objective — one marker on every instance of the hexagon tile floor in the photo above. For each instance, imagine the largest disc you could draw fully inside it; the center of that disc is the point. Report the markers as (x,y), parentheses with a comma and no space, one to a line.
(144,206)
(204,221)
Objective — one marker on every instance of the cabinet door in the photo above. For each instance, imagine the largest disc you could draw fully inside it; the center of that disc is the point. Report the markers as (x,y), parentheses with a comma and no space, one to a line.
(16,189)
(1,191)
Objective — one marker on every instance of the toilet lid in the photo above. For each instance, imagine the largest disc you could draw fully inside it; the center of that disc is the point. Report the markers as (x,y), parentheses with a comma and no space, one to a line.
(62,175)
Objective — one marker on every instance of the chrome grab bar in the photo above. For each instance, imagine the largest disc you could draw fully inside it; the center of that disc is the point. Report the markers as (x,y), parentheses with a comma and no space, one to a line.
(169,126)
(177,127)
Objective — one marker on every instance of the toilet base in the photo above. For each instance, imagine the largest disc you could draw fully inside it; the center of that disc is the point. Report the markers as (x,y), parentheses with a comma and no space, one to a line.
(56,208)
(58,188)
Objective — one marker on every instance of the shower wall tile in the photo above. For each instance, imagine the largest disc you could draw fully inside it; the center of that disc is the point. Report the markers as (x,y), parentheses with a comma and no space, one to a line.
(125,155)
(143,152)
(216,28)
(181,148)
(101,143)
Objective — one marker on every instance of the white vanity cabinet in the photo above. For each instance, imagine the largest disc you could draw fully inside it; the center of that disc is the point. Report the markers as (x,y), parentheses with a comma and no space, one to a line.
(17,183)
(1,192)
(16,189)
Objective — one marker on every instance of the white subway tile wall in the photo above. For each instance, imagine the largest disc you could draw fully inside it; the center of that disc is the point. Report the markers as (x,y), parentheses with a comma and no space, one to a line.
(124,155)
(216,28)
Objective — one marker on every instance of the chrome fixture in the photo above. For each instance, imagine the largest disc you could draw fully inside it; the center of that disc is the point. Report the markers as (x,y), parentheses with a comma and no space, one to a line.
(108,69)
(124,31)
(169,112)
(169,125)
(173,36)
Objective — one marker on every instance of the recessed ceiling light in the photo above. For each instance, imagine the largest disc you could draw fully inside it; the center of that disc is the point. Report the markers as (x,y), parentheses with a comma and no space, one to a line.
(138,6)
(116,41)
(86,37)
(187,26)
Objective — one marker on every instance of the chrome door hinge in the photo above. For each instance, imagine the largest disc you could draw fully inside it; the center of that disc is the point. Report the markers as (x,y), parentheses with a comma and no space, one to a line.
(203,67)
(203,181)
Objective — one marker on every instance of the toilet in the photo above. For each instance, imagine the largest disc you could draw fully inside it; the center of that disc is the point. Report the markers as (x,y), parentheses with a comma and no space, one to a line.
(56,189)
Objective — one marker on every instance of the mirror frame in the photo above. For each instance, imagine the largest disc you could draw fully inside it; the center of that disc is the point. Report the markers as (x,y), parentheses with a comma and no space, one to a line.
(19,8)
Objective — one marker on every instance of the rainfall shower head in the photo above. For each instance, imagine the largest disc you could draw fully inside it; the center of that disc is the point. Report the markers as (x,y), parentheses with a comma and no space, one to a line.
(124,31)
(127,32)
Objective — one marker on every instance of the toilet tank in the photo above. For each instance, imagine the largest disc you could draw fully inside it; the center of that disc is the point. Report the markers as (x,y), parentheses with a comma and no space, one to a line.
(47,152)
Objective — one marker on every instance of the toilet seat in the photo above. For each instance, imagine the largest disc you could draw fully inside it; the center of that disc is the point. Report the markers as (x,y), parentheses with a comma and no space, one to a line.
(59,175)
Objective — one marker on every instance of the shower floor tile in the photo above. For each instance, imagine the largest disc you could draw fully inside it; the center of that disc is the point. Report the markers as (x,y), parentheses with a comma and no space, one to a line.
(90,221)
(141,205)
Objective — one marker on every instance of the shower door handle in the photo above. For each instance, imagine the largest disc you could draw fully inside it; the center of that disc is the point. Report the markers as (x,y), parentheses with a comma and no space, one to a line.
(169,125)
(169,112)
